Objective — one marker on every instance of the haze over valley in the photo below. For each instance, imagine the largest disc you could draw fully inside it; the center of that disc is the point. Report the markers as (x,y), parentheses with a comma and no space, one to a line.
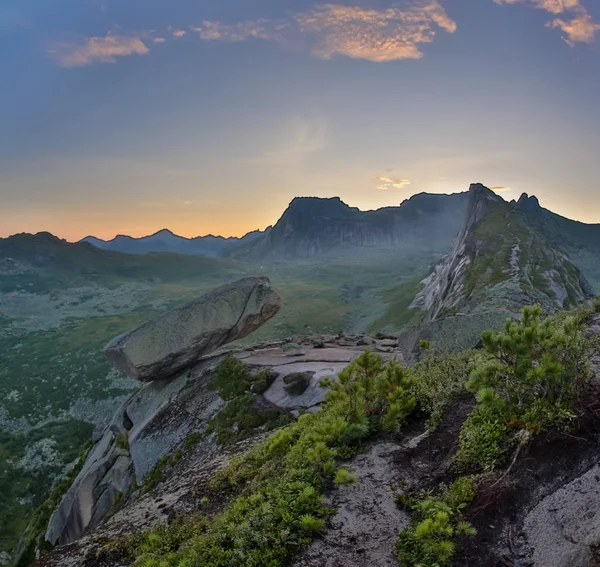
(299,284)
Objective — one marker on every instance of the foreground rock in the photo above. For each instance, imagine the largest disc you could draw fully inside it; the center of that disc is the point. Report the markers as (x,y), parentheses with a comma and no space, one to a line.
(174,341)
(156,420)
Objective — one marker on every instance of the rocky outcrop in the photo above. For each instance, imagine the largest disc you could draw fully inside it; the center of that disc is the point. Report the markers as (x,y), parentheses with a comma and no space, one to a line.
(313,227)
(174,341)
(555,530)
(157,419)
(499,263)
(446,287)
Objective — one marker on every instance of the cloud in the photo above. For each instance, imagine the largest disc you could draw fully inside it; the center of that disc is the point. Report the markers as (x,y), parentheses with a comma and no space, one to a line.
(331,29)
(302,138)
(178,33)
(579,29)
(500,188)
(387,182)
(159,40)
(97,50)
(578,26)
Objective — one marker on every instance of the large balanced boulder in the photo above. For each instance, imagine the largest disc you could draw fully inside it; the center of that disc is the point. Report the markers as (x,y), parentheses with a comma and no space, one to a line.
(172,342)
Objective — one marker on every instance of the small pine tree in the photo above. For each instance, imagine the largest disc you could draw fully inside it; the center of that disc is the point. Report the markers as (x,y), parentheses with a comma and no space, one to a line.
(368,389)
(538,367)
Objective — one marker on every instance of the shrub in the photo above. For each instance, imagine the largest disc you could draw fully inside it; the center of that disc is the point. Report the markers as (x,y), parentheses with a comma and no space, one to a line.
(122,441)
(231,378)
(344,476)
(485,440)
(536,370)
(438,379)
(372,392)
(436,523)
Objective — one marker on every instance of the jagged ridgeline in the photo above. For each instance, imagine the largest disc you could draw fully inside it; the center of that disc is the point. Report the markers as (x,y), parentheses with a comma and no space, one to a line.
(500,261)
(401,271)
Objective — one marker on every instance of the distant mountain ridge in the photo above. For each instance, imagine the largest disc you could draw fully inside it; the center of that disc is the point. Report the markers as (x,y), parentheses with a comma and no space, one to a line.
(313,226)
(166,241)
(579,240)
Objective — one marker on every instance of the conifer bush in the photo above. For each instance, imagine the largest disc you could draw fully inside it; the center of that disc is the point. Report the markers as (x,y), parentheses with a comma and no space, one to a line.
(280,483)
(537,368)
(437,521)
(372,392)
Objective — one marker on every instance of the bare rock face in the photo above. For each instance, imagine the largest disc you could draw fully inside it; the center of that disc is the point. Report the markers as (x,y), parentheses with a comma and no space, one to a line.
(167,344)
(498,263)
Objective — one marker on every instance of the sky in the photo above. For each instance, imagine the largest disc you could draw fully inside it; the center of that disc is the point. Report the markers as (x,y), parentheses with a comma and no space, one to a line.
(128,116)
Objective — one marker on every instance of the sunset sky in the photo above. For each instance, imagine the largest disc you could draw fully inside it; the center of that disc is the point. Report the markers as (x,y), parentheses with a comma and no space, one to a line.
(127,116)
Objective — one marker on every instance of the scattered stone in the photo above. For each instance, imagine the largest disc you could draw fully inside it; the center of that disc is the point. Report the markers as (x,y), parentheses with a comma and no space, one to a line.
(393,343)
(297,383)
(292,349)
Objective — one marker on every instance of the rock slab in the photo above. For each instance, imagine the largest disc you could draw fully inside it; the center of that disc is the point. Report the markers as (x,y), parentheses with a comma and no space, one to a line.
(172,342)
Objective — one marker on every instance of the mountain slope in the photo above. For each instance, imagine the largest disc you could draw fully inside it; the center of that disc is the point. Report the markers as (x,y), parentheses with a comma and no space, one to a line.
(312,227)
(166,241)
(581,241)
(499,262)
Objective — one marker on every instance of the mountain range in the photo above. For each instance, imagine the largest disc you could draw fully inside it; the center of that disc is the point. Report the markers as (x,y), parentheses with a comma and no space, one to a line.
(436,267)
(313,227)
(166,241)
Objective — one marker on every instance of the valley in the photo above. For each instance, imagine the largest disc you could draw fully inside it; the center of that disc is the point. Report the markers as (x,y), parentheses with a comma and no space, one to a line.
(338,270)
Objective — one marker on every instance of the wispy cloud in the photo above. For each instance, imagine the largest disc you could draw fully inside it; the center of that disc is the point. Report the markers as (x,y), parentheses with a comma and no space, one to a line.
(577,25)
(97,50)
(579,29)
(331,29)
(500,188)
(302,138)
(159,40)
(178,33)
(387,182)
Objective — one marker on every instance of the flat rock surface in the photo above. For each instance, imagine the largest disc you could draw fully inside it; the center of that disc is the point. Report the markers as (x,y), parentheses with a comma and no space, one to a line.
(364,530)
(562,528)
(313,395)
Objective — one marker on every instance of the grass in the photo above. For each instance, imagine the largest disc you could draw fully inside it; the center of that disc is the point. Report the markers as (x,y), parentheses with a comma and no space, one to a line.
(398,299)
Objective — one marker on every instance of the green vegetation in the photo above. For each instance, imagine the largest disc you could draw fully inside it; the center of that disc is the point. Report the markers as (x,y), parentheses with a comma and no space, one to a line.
(439,379)
(25,476)
(343,476)
(398,313)
(436,523)
(241,417)
(237,385)
(280,483)
(157,473)
(122,441)
(36,530)
(536,370)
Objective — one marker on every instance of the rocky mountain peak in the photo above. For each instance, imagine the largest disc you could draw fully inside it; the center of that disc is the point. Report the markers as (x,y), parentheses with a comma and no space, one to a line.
(500,262)
(529,203)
